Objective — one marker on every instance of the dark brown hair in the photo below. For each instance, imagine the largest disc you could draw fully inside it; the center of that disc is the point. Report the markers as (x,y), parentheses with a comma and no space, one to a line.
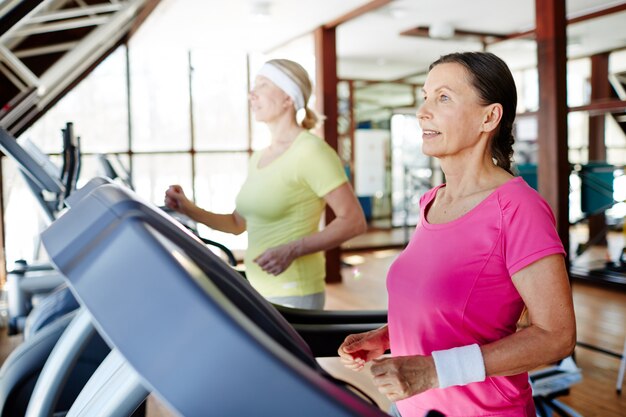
(493,81)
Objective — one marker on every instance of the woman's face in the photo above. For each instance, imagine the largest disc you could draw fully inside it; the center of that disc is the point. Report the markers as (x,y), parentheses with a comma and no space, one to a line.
(451,116)
(267,101)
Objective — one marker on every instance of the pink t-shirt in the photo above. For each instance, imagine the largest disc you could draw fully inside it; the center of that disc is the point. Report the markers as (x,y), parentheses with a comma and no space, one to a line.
(452,287)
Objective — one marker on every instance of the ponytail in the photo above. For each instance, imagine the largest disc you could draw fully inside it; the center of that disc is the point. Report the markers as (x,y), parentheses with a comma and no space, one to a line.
(311,119)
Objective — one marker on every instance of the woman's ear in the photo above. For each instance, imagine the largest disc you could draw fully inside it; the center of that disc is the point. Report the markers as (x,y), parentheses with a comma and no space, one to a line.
(492,117)
(287,102)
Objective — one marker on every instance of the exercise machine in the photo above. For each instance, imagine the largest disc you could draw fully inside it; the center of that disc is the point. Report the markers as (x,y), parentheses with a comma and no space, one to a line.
(29,282)
(59,344)
(223,339)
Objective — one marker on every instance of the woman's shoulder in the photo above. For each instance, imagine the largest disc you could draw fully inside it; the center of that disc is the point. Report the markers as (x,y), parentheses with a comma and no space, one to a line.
(429,195)
(310,146)
(308,139)
(516,195)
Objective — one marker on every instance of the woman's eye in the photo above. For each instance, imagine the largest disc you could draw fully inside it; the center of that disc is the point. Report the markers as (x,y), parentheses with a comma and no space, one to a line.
(444,97)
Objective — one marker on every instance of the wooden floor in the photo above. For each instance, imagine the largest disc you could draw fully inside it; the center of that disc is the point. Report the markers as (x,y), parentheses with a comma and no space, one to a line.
(601,321)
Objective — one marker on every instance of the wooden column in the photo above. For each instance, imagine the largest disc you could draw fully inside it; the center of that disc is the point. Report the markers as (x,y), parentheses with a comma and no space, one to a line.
(3,261)
(326,103)
(553,168)
(600,89)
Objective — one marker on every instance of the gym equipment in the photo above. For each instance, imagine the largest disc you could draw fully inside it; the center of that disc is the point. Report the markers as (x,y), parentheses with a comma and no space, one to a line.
(223,339)
(28,283)
(59,344)
(552,382)
(114,169)
(229,331)
(21,370)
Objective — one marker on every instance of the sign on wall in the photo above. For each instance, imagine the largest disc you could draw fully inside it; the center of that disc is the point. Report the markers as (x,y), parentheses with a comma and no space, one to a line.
(369,161)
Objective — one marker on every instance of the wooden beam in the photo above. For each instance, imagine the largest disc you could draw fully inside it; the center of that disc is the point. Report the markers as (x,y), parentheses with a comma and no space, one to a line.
(600,89)
(371,6)
(602,106)
(359,11)
(3,259)
(143,14)
(530,34)
(553,168)
(598,13)
(459,34)
(326,103)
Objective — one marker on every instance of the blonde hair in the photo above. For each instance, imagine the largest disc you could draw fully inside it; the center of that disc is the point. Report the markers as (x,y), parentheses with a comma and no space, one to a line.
(299,75)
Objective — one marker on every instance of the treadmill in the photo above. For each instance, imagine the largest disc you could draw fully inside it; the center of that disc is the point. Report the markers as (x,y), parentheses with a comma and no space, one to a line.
(182,323)
(51,187)
(186,326)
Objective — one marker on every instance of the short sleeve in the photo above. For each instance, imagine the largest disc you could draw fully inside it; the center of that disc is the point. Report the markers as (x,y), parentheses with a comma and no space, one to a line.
(320,168)
(529,229)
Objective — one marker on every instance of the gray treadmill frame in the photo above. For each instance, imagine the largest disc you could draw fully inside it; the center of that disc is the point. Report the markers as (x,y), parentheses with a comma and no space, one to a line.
(126,260)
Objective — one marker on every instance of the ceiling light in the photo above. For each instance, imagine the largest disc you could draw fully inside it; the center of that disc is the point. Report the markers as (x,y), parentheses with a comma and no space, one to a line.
(398,12)
(441,30)
(260,9)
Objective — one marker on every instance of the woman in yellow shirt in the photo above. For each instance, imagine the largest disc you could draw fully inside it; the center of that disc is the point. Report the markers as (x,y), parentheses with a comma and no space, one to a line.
(281,202)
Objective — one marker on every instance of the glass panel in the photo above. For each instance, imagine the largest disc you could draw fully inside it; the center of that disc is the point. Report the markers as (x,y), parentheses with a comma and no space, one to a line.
(614,134)
(97,107)
(578,87)
(153,174)
(617,61)
(92,166)
(159,98)
(411,170)
(219,178)
(530,91)
(578,136)
(220,101)
(23,220)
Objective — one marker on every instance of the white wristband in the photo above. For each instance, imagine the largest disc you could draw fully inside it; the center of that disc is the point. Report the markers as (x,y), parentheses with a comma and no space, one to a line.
(459,366)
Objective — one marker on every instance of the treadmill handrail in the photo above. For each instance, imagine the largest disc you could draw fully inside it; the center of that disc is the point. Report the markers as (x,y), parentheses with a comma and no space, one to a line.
(28,164)
(124,208)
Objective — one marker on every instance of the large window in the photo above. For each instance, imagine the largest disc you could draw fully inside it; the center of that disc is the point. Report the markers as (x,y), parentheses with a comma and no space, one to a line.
(97,107)
(220,101)
(187,124)
(159,99)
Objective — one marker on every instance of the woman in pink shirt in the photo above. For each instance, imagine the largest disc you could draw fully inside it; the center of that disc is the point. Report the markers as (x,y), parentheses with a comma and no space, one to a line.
(485,247)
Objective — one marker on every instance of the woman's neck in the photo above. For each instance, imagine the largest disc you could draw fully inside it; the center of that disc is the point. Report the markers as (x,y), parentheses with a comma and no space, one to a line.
(464,179)
(283,131)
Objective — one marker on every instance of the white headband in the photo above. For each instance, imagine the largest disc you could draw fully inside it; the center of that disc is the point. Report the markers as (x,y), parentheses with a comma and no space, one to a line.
(284,82)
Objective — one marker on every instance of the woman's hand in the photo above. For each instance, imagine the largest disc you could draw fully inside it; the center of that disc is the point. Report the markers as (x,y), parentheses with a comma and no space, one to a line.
(360,348)
(274,261)
(404,376)
(176,199)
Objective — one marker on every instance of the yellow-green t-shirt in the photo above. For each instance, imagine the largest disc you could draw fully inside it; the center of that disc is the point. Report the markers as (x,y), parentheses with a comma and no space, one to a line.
(282,202)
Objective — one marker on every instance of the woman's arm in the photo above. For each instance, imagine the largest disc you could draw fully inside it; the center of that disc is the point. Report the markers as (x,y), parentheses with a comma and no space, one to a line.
(228,223)
(349,222)
(545,289)
(176,199)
